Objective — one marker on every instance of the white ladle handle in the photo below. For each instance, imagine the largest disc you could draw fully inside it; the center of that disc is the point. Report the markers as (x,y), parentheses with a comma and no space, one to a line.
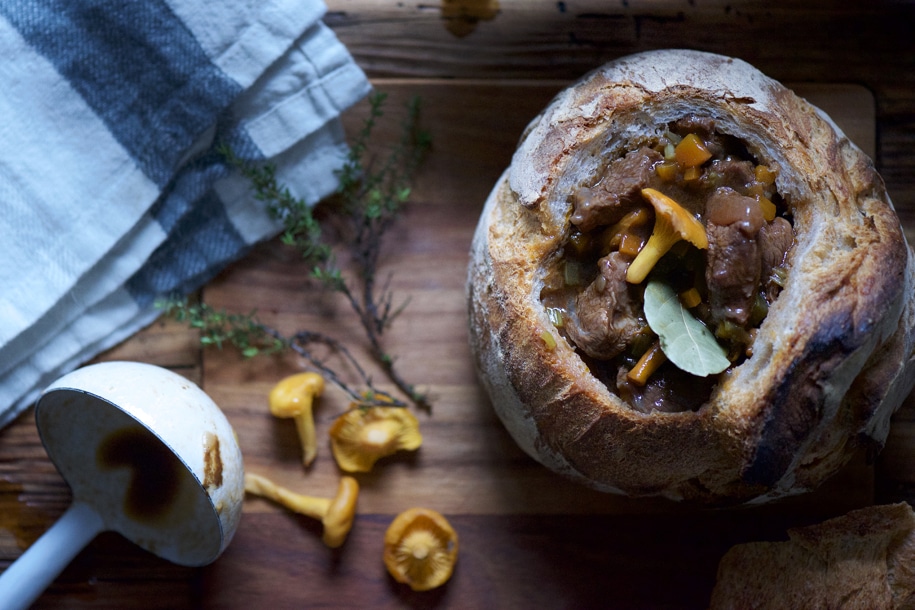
(30,575)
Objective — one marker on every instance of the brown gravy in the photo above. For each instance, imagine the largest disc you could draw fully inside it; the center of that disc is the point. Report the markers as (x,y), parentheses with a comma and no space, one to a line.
(155,471)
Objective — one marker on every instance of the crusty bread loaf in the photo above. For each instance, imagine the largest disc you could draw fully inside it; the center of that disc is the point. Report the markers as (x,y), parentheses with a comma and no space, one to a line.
(864,560)
(831,362)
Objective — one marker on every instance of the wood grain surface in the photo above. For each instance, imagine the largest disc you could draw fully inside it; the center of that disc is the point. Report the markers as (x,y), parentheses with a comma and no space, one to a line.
(528,537)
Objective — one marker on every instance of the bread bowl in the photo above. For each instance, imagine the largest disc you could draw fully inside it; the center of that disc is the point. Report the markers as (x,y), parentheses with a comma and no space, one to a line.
(811,377)
(862,559)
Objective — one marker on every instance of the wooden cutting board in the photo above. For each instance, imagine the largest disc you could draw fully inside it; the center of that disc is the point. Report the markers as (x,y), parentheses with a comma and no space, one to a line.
(527,536)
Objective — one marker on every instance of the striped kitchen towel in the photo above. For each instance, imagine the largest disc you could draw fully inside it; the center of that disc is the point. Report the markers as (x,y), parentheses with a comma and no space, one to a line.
(112,191)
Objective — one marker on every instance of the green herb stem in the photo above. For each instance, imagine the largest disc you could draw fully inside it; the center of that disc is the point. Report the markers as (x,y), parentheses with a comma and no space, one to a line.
(370,197)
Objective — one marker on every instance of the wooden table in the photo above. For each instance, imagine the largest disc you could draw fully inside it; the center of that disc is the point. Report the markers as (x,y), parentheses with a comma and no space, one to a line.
(528,537)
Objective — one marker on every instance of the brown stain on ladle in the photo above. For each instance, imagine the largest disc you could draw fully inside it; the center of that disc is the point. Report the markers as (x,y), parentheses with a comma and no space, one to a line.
(155,471)
(212,462)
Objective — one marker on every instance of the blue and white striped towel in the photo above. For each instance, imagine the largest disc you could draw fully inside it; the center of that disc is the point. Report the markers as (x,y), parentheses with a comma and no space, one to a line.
(111,189)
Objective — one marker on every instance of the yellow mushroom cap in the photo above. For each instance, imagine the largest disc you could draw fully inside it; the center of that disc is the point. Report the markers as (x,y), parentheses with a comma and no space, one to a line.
(420,549)
(294,394)
(363,435)
(672,223)
(293,397)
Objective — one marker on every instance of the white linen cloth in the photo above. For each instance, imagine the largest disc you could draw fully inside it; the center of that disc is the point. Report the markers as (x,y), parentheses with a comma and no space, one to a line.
(112,191)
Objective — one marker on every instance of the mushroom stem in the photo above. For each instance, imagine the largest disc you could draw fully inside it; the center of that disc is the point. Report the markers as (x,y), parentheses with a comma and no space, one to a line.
(309,506)
(661,241)
(305,426)
(336,514)
(672,223)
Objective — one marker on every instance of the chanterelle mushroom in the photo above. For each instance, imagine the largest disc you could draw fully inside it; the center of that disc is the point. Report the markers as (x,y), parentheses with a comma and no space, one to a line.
(293,397)
(336,514)
(363,435)
(420,549)
(672,223)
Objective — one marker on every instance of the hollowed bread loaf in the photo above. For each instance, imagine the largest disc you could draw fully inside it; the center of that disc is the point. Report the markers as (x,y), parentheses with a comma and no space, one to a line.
(815,315)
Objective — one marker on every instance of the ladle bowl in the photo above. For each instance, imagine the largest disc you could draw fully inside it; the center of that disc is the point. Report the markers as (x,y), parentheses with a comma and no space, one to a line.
(146,454)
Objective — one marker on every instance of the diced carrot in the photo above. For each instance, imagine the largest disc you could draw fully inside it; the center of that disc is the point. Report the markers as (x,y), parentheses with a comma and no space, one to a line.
(631,244)
(690,298)
(649,362)
(637,217)
(767,207)
(613,236)
(692,173)
(691,151)
(765,174)
(756,189)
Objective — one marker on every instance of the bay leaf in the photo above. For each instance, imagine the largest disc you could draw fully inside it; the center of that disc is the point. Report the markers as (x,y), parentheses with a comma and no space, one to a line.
(687,342)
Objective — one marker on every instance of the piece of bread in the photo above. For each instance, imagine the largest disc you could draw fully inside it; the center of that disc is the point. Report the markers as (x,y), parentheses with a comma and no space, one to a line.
(862,560)
(831,361)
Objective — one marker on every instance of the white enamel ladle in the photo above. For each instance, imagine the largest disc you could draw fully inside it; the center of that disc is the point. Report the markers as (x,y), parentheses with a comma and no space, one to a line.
(147,454)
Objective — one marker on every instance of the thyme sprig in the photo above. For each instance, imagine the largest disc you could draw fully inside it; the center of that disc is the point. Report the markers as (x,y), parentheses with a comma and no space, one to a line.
(373,198)
(252,338)
(370,197)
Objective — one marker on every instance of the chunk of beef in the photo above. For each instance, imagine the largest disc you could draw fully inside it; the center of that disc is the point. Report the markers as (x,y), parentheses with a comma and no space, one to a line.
(618,190)
(606,317)
(775,239)
(699,125)
(726,206)
(704,127)
(734,261)
(735,174)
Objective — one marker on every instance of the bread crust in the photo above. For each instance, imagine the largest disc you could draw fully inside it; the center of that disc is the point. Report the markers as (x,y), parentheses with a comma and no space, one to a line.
(832,361)
(862,559)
